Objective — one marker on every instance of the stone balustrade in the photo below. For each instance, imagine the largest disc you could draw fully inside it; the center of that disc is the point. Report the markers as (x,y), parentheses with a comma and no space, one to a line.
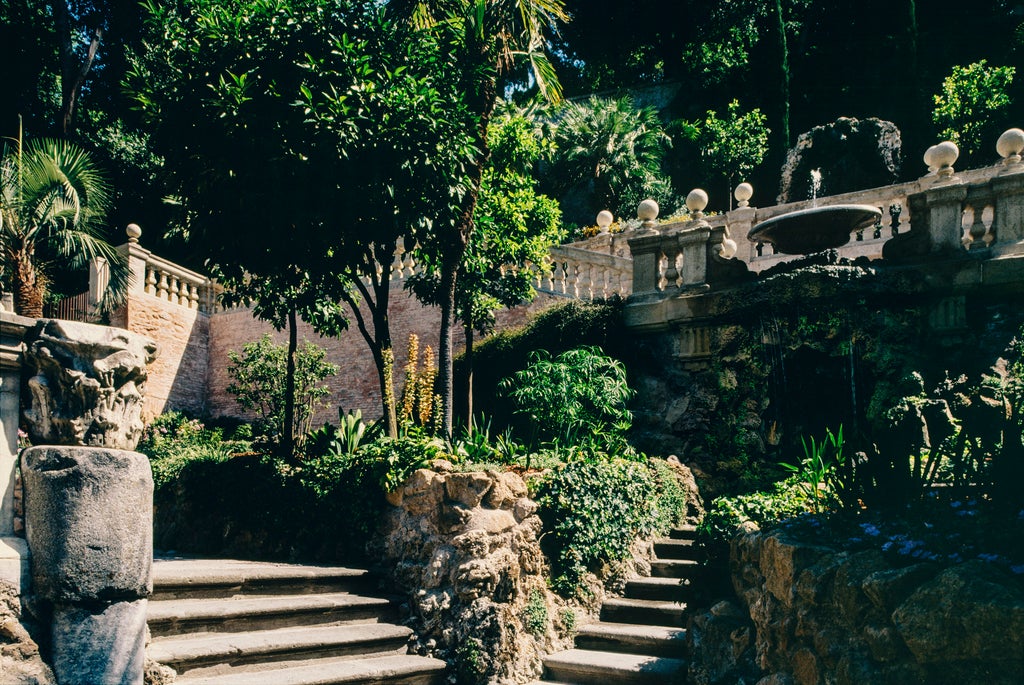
(585,275)
(980,211)
(165,280)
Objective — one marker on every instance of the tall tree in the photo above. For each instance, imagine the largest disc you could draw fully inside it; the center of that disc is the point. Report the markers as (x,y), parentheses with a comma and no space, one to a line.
(52,204)
(609,155)
(492,37)
(304,140)
(513,231)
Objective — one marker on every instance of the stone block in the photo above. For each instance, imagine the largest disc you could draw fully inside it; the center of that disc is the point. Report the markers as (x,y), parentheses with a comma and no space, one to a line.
(971,612)
(467,489)
(99,646)
(89,523)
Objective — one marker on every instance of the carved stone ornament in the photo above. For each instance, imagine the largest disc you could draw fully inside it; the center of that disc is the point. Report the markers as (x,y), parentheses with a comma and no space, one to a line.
(86,384)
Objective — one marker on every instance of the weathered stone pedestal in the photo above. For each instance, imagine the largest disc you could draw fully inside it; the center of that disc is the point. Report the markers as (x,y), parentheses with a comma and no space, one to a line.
(89,499)
(89,522)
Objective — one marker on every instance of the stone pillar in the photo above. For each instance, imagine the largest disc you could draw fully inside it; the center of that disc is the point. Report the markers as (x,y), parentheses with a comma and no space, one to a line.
(89,498)
(1009,214)
(13,551)
(693,243)
(89,523)
(645,247)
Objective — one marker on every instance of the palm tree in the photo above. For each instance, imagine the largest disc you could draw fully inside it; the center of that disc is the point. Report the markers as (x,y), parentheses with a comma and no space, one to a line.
(611,151)
(52,200)
(492,37)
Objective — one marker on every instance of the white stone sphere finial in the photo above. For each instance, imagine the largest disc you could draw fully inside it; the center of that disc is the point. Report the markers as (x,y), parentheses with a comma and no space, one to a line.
(727,249)
(944,156)
(743,193)
(696,201)
(604,220)
(133,231)
(929,159)
(647,212)
(1010,145)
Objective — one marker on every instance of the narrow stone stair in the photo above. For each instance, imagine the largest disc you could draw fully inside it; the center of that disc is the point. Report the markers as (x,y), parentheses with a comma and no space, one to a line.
(229,622)
(640,636)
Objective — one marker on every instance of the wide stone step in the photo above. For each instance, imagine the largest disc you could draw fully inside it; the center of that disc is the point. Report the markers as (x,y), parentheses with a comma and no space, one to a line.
(668,589)
(213,653)
(644,611)
(178,616)
(583,666)
(674,568)
(683,532)
(199,578)
(393,670)
(632,639)
(669,548)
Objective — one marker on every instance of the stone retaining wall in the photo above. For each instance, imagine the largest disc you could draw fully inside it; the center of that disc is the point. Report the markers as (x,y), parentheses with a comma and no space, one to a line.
(464,546)
(815,614)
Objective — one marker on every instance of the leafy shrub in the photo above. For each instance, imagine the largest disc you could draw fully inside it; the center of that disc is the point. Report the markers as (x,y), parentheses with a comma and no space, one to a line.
(575,398)
(392,460)
(592,513)
(173,440)
(343,439)
(725,515)
(670,502)
(535,614)
(258,384)
(822,475)
(556,329)
(322,510)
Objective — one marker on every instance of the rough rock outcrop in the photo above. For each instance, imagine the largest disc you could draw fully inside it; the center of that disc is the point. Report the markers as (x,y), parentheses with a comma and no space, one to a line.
(821,615)
(86,384)
(844,156)
(465,547)
(20,662)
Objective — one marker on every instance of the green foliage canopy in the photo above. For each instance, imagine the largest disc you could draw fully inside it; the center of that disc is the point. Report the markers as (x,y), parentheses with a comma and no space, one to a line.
(972,106)
(257,382)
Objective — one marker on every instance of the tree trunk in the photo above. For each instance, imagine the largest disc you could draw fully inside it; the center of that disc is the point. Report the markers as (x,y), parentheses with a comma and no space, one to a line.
(72,72)
(449,268)
(780,127)
(469,373)
(27,284)
(288,430)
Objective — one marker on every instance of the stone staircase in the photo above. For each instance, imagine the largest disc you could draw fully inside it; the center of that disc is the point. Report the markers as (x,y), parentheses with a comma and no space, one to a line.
(640,637)
(221,622)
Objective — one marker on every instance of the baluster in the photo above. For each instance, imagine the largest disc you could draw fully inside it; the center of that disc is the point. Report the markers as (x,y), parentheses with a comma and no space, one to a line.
(585,282)
(150,281)
(161,288)
(895,209)
(183,293)
(601,287)
(987,217)
(878,224)
(571,280)
(396,266)
(193,297)
(671,249)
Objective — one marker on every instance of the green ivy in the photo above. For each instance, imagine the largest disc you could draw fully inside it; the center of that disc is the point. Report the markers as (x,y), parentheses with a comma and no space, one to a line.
(594,510)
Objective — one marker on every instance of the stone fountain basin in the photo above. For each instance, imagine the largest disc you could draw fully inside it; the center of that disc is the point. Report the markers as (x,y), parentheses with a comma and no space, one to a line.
(807,231)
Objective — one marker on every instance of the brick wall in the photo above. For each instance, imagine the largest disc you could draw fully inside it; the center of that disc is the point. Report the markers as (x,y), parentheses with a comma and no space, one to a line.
(190,372)
(356,385)
(177,378)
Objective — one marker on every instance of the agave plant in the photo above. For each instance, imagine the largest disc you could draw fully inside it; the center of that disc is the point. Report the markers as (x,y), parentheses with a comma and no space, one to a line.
(52,201)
